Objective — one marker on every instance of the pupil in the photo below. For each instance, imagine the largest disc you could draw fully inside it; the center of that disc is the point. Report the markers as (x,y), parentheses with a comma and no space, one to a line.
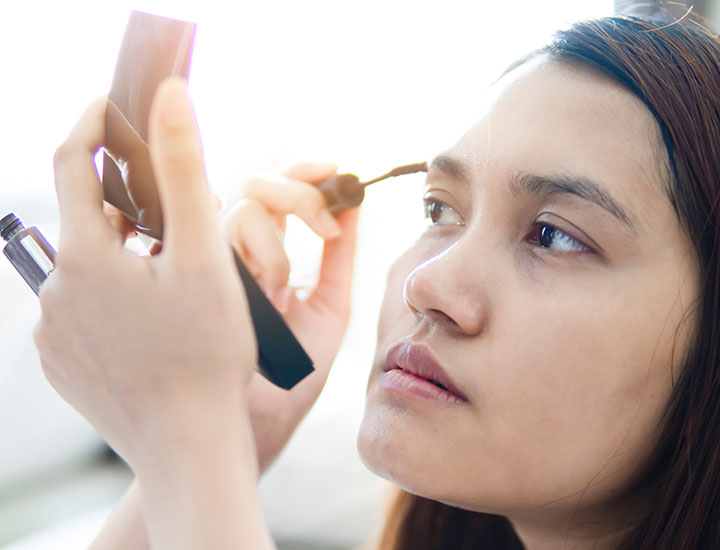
(546,236)
(435,212)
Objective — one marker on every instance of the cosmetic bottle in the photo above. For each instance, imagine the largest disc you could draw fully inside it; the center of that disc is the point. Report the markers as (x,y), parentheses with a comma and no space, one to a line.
(27,250)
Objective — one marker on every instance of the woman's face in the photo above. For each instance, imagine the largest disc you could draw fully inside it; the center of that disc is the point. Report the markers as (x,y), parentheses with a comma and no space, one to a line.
(549,286)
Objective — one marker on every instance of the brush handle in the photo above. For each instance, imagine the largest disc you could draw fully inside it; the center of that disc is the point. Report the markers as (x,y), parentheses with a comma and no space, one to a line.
(281,358)
(342,191)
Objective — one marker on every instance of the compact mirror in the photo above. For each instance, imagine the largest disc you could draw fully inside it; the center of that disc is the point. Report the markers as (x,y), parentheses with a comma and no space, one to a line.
(153,49)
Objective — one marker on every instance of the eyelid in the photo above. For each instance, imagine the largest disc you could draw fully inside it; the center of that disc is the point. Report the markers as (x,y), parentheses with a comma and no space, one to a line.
(441,195)
(430,196)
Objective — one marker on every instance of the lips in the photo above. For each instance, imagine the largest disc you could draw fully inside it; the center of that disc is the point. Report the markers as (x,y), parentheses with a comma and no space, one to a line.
(418,361)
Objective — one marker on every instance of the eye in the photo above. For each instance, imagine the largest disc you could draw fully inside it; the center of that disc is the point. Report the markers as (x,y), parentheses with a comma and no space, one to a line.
(439,213)
(547,236)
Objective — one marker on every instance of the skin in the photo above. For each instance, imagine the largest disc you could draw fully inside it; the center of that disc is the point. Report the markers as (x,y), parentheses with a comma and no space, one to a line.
(563,351)
(169,382)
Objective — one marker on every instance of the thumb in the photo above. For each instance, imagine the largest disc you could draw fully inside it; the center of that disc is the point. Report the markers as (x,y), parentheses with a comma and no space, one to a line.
(176,152)
(336,271)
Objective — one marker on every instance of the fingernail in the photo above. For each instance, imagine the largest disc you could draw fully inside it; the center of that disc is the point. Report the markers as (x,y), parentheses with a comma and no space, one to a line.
(175,109)
(331,227)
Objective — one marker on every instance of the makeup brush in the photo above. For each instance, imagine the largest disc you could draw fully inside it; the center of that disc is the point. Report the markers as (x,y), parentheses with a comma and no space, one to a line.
(346,190)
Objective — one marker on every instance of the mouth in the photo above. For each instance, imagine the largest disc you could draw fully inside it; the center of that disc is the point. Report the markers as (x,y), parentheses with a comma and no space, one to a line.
(411,370)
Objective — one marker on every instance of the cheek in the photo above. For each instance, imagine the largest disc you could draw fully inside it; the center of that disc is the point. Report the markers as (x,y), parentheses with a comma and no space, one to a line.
(582,389)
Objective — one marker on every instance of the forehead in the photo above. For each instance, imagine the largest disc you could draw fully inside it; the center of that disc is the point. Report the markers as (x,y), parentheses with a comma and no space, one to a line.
(549,115)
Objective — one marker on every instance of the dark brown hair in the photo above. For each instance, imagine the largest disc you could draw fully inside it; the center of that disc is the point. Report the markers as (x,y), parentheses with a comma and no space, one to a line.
(674,68)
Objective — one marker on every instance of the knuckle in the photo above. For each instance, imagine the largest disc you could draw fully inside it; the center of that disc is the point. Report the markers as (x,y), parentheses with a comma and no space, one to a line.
(111,211)
(312,202)
(252,266)
(317,200)
(243,210)
(42,338)
(301,193)
(239,249)
(306,194)
(61,154)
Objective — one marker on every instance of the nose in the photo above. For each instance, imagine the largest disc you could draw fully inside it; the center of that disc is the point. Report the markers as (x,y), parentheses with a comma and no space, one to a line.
(445,290)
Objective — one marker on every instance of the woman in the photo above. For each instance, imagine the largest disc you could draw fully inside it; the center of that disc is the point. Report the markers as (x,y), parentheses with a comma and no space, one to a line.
(546,373)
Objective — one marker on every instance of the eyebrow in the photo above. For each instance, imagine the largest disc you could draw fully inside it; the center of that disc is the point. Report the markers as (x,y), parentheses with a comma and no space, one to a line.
(545,186)
(452,167)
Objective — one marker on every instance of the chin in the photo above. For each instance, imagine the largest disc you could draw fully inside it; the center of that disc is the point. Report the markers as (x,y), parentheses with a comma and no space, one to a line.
(395,452)
(415,453)
(390,456)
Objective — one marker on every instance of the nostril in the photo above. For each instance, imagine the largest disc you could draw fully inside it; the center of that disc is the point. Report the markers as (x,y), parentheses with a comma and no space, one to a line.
(440,317)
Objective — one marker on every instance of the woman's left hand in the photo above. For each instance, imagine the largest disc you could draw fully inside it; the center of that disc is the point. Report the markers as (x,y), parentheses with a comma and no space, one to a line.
(156,352)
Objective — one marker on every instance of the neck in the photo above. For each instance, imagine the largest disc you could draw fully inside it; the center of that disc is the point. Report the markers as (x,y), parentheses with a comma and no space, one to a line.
(576,528)
(595,537)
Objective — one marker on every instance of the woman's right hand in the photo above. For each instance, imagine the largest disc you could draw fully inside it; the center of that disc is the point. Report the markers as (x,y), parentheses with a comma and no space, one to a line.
(255,227)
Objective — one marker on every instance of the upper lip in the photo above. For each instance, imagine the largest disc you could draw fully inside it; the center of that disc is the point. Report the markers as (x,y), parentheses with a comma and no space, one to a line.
(419,360)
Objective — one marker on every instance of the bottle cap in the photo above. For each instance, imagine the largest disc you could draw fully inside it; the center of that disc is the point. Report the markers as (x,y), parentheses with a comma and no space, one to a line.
(9,226)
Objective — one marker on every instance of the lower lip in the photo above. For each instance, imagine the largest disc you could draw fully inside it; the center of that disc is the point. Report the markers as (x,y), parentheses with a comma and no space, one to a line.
(408,385)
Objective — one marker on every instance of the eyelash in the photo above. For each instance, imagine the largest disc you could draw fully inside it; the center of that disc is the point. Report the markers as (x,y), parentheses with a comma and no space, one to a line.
(541,231)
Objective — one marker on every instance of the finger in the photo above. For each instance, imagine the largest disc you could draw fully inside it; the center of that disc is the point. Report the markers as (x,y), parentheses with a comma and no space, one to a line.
(119,222)
(155,248)
(311,172)
(283,195)
(252,231)
(189,224)
(79,192)
(336,271)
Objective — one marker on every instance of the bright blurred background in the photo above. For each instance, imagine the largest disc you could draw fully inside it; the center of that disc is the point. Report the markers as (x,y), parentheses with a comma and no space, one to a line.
(368,85)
